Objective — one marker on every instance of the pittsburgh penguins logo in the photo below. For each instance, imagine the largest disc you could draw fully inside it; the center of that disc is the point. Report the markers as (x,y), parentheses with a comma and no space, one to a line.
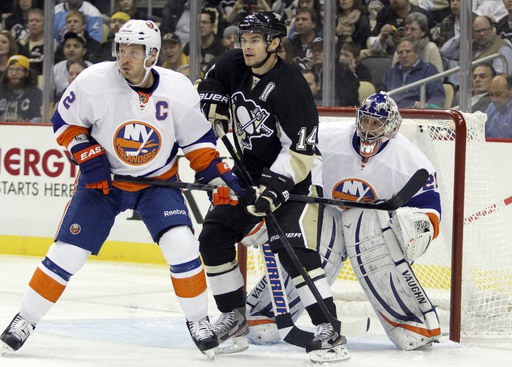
(353,189)
(250,120)
(137,143)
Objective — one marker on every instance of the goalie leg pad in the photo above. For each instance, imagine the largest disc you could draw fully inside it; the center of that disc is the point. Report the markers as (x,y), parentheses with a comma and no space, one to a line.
(401,304)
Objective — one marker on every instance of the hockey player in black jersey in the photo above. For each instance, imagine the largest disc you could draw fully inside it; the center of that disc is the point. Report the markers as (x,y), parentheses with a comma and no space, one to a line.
(274,122)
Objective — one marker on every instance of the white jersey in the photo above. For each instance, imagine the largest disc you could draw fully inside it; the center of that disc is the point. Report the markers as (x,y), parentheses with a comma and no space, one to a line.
(344,177)
(140,132)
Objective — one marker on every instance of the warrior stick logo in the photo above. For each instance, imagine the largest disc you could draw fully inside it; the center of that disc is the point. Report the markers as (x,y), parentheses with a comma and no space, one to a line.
(137,143)
(250,120)
(274,279)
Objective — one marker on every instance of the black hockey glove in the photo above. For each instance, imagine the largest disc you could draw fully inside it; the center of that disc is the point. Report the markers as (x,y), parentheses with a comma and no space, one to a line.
(274,189)
(214,103)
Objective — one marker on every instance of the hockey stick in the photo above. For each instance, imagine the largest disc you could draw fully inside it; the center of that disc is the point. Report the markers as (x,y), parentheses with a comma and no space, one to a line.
(489,210)
(336,324)
(417,180)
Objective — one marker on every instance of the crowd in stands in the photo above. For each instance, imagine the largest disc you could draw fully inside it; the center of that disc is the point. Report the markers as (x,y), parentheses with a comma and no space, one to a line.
(388,43)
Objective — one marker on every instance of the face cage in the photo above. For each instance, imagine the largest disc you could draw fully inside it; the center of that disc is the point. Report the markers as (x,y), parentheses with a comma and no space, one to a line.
(369,145)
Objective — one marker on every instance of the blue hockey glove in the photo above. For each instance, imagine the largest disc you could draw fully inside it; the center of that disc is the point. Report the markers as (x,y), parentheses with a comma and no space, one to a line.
(93,162)
(274,190)
(218,173)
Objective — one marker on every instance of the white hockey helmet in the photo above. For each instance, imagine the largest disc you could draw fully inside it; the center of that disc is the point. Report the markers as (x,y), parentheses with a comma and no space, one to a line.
(139,32)
(378,120)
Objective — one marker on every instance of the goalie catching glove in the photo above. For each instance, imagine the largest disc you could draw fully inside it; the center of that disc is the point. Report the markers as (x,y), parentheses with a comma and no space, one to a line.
(219,174)
(214,103)
(93,162)
(414,231)
(274,189)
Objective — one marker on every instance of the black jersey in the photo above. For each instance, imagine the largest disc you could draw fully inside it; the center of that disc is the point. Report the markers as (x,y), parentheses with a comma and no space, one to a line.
(274,118)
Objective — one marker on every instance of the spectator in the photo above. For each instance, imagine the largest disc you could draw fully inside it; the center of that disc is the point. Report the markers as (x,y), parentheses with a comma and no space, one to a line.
(76,23)
(499,112)
(450,25)
(389,28)
(75,68)
(490,8)
(352,23)
(349,56)
(305,35)
(228,37)
(285,52)
(33,45)
(486,42)
(374,6)
(172,52)
(75,48)
(16,23)
(94,24)
(503,28)
(116,22)
(176,19)
(416,27)
(410,68)
(346,84)
(20,99)
(211,45)
(314,83)
(8,48)
(439,9)
(482,77)
(308,4)
(130,7)
(242,8)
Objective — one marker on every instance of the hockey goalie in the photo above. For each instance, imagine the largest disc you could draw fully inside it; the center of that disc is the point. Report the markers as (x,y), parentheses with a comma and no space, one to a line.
(368,163)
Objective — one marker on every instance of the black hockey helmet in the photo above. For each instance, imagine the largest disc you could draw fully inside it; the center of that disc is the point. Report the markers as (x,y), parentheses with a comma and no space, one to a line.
(269,23)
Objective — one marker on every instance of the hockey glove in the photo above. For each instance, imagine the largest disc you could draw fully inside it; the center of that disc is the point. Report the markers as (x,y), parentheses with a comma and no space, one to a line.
(93,162)
(214,103)
(413,230)
(274,190)
(218,173)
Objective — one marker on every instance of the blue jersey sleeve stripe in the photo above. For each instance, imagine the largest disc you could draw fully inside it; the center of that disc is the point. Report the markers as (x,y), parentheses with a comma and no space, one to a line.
(209,137)
(57,121)
(429,199)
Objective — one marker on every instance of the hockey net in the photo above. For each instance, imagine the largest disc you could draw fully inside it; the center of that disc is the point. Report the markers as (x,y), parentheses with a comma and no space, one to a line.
(473,292)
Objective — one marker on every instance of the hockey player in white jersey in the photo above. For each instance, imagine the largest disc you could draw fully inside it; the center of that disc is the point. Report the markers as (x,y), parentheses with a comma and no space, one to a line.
(130,118)
(367,162)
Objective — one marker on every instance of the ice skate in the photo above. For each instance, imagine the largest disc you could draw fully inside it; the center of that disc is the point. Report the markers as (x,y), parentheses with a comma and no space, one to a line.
(202,334)
(232,326)
(327,346)
(15,335)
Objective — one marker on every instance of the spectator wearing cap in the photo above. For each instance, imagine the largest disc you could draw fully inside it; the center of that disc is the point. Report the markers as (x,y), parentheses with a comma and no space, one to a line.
(172,52)
(116,22)
(33,44)
(94,24)
(75,48)
(211,45)
(228,37)
(20,99)
(76,22)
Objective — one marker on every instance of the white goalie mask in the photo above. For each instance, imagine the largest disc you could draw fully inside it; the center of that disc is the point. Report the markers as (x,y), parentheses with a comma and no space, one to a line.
(139,32)
(378,120)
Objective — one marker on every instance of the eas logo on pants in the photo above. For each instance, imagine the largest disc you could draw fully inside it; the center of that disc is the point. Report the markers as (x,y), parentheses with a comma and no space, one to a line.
(137,143)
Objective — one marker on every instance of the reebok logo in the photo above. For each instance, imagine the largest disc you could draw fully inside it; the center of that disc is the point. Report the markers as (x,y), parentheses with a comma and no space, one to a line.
(168,213)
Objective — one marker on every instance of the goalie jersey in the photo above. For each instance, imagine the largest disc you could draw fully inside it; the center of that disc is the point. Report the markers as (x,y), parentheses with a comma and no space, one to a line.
(142,140)
(346,178)
(274,118)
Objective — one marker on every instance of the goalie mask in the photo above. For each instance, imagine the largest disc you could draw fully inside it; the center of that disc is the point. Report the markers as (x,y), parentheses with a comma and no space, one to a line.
(378,120)
(139,32)
(268,23)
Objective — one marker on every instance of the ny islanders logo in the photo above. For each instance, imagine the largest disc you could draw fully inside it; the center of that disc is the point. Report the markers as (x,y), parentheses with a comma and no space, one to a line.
(137,143)
(354,190)
(250,120)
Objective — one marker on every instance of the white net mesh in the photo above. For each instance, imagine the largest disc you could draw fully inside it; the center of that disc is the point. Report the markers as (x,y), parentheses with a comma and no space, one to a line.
(487,260)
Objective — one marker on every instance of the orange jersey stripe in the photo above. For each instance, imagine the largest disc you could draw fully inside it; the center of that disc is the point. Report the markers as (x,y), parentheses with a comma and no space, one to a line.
(415,329)
(260,322)
(190,287)
(201,158)
(136,187)
(435,222)
(69,134)
(46,286)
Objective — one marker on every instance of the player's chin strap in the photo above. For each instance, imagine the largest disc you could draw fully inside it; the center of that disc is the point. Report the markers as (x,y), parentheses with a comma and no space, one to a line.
(260,64)
(146,73)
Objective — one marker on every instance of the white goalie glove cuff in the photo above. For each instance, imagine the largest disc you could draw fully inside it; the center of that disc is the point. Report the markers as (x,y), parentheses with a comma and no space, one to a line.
(257,236)
(413,230)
